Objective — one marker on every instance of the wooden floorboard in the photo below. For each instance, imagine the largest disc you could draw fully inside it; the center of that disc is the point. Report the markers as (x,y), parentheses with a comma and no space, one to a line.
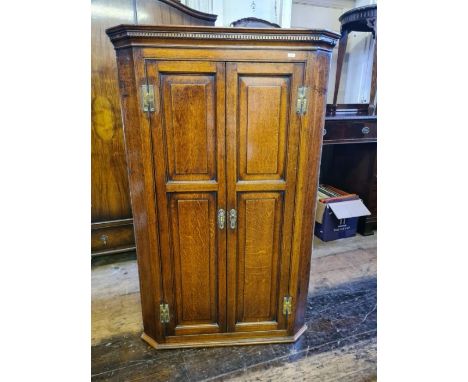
(354,362)
(339,345)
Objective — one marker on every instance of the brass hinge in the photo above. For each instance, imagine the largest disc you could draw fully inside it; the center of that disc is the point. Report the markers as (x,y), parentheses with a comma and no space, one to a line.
(147,97)
(301,106)
(287,305)
(164,313)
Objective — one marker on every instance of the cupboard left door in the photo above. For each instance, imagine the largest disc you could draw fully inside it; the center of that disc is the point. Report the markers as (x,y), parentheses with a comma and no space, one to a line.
(188,139)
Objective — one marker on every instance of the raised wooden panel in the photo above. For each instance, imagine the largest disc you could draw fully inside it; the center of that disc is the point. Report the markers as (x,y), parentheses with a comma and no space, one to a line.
(190,126)
(259,222)
(193,225)
(263,121)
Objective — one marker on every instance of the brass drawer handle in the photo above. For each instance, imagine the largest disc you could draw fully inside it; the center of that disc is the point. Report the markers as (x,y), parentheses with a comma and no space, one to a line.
(221,218)
(365,130)
(103,239)
(233,218)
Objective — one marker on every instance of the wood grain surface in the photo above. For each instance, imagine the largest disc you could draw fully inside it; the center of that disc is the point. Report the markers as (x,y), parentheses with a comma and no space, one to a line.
(110,198)
(223,136)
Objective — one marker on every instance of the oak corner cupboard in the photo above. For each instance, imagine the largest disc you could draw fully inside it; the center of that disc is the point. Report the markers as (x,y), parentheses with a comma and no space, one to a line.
(223,132)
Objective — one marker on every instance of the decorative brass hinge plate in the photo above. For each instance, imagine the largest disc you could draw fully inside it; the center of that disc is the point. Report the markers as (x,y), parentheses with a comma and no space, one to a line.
(147,97)
(164,313)
(287,305)
(301,105)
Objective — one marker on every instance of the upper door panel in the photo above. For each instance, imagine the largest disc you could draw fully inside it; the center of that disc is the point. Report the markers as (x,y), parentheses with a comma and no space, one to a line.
(189,113)
(263,113)
(189,116)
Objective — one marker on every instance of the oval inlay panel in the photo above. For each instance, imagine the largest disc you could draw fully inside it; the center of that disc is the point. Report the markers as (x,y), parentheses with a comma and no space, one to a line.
(103,118)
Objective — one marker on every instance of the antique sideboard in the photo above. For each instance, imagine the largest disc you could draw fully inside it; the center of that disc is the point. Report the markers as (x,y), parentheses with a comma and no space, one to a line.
(349,157)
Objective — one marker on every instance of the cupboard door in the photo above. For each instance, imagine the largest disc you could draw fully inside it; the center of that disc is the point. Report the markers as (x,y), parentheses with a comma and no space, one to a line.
(188,143)
(262,140)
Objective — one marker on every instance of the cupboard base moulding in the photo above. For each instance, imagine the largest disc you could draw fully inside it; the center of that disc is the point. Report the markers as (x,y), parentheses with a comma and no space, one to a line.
(226,339)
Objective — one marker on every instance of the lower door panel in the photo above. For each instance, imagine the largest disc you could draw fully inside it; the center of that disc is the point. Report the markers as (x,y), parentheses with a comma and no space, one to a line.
(193,226)
(259,262)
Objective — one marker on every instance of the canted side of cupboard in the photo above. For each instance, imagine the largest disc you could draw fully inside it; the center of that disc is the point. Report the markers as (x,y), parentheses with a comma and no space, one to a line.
(223,133)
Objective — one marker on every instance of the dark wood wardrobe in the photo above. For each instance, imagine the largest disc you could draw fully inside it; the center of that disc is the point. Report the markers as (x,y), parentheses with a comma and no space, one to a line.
(111,214)
(223,131)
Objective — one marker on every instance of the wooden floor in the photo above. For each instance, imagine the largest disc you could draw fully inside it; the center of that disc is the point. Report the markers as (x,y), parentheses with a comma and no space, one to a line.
(339,345)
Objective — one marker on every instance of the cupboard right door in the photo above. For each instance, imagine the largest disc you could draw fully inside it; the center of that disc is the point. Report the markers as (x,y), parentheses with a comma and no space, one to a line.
(262,140)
